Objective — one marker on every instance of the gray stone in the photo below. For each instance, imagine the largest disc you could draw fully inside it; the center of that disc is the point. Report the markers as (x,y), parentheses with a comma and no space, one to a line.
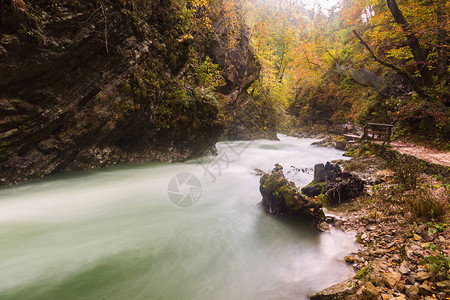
(375,279)
(396,258)
(338,224)
(422,276)
(337,291)
(404,268)
(380,252)
(418,252)
(427,236)
(443,286)
(324,226)
(350,259)
(390,245)
(399,287)
(413,292)
(425,289)
(421,268)
(370,292)
(391,279)
(421,228)
(341,145)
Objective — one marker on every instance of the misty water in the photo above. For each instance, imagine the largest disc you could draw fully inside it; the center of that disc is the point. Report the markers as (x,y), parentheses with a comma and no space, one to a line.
(115,234)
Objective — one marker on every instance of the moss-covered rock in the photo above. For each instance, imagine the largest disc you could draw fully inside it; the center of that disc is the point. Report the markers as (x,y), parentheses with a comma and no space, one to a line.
(282,198)
(335,185)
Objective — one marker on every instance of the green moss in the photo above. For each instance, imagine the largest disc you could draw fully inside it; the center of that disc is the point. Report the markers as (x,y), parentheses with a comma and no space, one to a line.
(280,187)
(143,93)
(127,89)
(312,183)
(363,272)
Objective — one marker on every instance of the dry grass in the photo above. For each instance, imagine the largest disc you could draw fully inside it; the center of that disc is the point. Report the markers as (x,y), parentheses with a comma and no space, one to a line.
(422,200)
(422,205)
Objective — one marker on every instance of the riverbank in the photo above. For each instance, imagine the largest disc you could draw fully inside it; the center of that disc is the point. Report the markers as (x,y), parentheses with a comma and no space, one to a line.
(401,228)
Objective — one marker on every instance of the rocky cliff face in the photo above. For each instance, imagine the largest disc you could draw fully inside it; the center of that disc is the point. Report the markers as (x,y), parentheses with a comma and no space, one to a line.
(240,69)
(86,84)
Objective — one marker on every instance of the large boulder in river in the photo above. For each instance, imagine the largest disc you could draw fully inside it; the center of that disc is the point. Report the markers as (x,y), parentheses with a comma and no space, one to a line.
(336,185)
(282,198)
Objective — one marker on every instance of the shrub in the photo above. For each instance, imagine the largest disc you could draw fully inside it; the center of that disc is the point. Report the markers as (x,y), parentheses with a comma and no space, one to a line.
(422,206)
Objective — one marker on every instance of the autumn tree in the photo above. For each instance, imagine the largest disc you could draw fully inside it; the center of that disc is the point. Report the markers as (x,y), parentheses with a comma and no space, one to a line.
(401,37)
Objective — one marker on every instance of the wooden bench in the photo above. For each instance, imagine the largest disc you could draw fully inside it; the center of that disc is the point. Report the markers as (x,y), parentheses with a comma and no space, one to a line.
(377,131)
(374,131)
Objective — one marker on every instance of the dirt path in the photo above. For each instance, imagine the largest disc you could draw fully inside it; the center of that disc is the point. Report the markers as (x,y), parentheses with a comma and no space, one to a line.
(430,155)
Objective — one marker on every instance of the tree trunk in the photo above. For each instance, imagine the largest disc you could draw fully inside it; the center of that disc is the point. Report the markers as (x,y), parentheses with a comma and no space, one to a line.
(401,71)
(419,54)
(443,40)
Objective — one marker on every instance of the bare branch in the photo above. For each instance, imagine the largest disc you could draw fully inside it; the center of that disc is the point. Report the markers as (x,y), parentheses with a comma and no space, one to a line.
(402,71)
(329,53)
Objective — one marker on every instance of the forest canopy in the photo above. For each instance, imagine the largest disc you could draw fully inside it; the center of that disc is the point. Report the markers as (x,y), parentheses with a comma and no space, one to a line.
(355,62)
(360,61)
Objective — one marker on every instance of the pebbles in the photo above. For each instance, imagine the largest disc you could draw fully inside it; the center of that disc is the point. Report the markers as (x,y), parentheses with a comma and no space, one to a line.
(397,259)
(392,258)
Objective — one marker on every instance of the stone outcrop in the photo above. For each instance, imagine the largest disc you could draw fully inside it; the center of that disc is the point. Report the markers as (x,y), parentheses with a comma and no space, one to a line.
(90,84)
(282,198)
(240,69)
(337,186)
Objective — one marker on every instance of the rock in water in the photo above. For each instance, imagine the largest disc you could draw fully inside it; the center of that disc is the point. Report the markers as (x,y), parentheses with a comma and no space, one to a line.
(336,185)
(282,198)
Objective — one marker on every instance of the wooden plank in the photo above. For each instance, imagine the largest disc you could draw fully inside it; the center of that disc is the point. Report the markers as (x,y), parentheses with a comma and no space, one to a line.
(352,136)
(378,132)
(380,124)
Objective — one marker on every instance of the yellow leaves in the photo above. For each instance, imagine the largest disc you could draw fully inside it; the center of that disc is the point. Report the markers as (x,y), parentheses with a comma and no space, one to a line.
(400,53)
(209,75)
(185,37)
(199,3)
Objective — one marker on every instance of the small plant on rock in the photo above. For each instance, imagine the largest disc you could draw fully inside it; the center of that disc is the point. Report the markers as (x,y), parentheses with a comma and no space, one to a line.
(440,263)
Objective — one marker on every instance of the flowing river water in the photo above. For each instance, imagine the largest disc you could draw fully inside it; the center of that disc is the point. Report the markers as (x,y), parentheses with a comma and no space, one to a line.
(115,233)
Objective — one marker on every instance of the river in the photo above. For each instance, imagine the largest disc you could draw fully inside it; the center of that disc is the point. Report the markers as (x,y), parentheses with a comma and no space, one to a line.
(138,232)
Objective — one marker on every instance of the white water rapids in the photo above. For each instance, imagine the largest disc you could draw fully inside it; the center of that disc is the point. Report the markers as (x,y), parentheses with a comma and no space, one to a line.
(115,234)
